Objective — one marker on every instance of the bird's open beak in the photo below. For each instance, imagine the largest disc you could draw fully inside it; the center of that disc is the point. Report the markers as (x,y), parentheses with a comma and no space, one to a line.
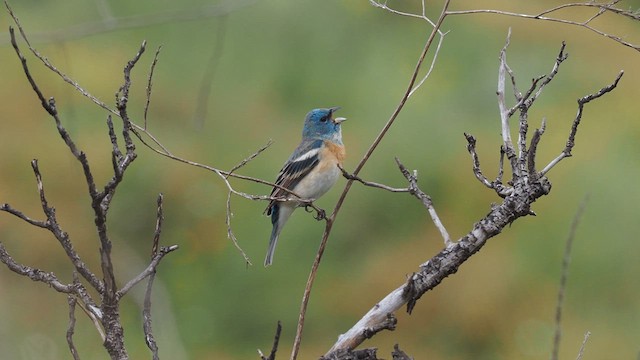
(337,120)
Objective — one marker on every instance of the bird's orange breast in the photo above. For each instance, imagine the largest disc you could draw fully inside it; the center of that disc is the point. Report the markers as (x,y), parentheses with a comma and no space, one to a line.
(334,150)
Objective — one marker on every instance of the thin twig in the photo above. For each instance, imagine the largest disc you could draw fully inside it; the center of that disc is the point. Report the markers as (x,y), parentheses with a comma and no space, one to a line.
(90,312)
(32,273)
(524,191)
(399,354)
(19,214)
(149,84)
(497,186)
(62,236)
(566,260)
(202,104)
(475,161)
(528,100)
(584,24)
(114,24)
(230,233)
(52,224)
(566,152)
(116,154)
(251,157)
(149,339)
(502,105)
(274,347)
(77,86)
(142,133)
(371,183)
(71,328)
(413,189)
(101,201)
(426,201)
(50,66)
(533,149)
(329,225)
(146,311)
(164,250)
(583,345)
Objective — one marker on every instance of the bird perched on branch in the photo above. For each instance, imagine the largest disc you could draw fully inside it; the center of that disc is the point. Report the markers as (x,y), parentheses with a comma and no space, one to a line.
(309,172)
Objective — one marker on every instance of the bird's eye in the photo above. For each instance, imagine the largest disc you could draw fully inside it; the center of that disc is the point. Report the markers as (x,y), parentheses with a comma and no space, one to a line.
(324,119)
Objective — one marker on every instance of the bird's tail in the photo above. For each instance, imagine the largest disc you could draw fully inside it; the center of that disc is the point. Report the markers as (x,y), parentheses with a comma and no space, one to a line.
(272,245)
(279,216)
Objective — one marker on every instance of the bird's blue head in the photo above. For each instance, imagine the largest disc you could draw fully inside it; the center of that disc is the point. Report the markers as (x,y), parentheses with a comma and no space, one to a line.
(320,124)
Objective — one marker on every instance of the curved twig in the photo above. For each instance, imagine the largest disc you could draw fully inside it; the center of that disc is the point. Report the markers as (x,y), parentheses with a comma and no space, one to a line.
(329,225)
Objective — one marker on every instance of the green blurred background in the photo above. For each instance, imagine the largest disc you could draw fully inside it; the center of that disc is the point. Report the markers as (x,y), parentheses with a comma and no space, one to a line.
(272,61)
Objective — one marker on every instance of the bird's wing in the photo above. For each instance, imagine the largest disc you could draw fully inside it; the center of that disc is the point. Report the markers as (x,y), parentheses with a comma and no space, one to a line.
(302,161)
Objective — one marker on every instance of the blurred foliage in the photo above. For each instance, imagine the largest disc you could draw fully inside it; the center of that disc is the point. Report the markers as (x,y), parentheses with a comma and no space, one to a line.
(279,59)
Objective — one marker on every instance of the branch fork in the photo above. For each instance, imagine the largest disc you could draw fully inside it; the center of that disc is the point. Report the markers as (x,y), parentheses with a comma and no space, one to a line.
(105,311)
(527,185)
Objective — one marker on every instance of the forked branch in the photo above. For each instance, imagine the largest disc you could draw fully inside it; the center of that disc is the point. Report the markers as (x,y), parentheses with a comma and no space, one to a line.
(519,195)
(105,312)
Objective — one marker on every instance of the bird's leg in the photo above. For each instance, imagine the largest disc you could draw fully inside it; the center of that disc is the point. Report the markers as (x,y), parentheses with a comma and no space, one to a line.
(320,213)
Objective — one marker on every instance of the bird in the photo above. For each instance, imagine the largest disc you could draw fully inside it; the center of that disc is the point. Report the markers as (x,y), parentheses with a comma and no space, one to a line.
(311,170)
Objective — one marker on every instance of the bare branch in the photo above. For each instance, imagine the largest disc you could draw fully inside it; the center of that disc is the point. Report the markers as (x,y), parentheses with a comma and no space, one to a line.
(106,316)
(146,315)
(471,147)
(574,127)
(378,314)
(274,348)
(413,189)
(523,191)
(426,201)
(95,315)
(21,215)
(251,157)
(164,250)
(445,263)
(32,273)
(139,131)
(583,346)
(496,185)
(566,260)
(360,354)
(73,83)
(50,66)
(101,201)
(527,99)
(71,328)
(202,104)
(149,84)
(502,105)
(112,24)
(533,149)
(585,24)
(328,226)
(159,222)
(371,183)
(116,154)
(62,236)
(399,354)
(230,233)
(146,311)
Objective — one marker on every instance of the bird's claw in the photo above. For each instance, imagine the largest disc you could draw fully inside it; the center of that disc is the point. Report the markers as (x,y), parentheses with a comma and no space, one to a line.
(320,213)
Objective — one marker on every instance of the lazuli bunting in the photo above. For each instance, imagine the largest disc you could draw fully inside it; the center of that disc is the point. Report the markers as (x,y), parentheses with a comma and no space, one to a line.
(310,171)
